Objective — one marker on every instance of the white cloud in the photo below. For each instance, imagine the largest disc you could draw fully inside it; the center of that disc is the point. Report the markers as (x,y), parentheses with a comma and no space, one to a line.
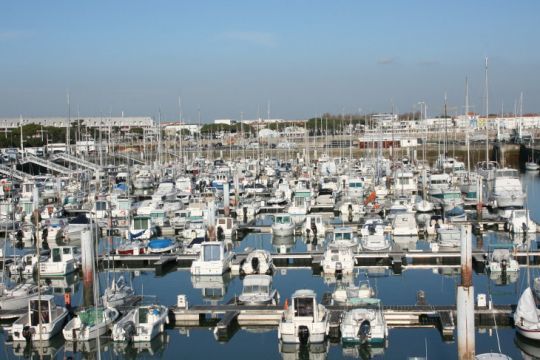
(253,37)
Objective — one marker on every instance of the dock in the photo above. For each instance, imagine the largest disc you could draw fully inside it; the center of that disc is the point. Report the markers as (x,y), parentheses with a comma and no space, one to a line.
(395,260)
(231,316)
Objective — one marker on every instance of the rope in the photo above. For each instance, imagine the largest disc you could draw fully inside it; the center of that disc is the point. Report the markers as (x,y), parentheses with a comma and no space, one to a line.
(496,329)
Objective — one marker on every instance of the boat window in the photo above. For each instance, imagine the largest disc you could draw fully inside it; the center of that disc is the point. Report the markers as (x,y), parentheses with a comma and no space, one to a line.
(34,311)
(141,223)
(303,307)
(123,205)
(212,253)
(101,206)
(56,255)
(343,236)
(143,315)
(66,251)
(249,289)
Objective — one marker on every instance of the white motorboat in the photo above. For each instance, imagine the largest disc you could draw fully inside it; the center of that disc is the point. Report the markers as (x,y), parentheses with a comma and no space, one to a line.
(42,322)
(62,261)
(117,293)
(339,257)
(226,227)
(141,228)
(350,294)
(531,166)
(520,222)
(507,190)
(283,225)
(258,261)
(258,290)
(304,320)
(90,323)
(501,260)
(373,236)
(527,316)
(405,224)
(17,296)
(364,326)
(141,324)
(314,226)
(213,260)
(449,236)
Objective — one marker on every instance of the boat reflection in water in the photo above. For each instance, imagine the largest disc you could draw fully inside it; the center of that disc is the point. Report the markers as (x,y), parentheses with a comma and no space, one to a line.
(136,350)
(88,348)
(364,351)
(59,284)
(39,349)
(406,242)
(530,349)
(213,287)
(283,244)
(290,351)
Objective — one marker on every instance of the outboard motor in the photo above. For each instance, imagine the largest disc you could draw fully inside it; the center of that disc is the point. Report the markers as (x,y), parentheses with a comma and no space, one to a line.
(303,334)
(255,264)
(364,331)
(308,231)
(371,229)
(350,218)
(220,235)
(339,267)
(244,211)
(27,333)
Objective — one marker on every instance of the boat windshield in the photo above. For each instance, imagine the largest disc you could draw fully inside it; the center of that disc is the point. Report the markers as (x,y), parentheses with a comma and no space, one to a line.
(254,289)
(343,236)
(140,223)
(303,307)
(212,253)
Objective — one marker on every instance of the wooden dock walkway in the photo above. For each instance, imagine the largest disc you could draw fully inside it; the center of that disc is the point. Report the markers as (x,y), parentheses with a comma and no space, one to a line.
(442,317)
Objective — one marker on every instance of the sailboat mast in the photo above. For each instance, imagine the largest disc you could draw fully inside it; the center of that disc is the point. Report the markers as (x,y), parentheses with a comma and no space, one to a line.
(487,111)
(467,119)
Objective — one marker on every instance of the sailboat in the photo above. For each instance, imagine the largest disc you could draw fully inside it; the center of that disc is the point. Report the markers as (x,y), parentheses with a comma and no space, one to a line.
(532,165)
(527,316)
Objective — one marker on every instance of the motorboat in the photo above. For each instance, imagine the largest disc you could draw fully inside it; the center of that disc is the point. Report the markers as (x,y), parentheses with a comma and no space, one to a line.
(283,225)
(520,222)
(134,247)
(527,316)
(350,294)
(226,227)
(501,260)
(118,293)
(258,290)
(62,261)
(16,297)
(449,236)
(42,322)
(405,224)
(141,228)
(314,226)
(213,260)
(162,245)
(304,320)
(373,236)
(141,324)
(364,326)
(90,323)
(258,261)
(507,190)
(339,257)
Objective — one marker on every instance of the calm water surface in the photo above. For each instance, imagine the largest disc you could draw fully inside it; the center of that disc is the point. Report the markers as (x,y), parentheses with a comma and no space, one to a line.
(439,285)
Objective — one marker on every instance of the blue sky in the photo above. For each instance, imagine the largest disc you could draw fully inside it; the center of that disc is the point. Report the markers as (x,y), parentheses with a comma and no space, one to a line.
(226,57)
